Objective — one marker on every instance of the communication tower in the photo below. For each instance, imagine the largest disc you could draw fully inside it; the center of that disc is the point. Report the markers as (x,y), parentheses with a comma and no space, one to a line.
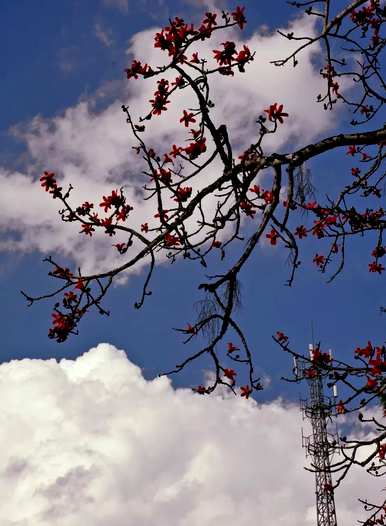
(317,445)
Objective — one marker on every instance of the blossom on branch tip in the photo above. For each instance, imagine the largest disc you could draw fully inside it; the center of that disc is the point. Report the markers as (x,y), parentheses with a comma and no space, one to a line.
(376,267)
(230,373)
(187,118)
(245,390)
(281,337)
(275,112)
(48,181)
(231,348)
(87,229)
(171,240)
(319,260)
(272,236)
(301,232)
(239,17)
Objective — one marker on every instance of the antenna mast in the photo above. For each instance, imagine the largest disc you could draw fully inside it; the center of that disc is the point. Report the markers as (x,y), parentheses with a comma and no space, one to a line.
(317,409)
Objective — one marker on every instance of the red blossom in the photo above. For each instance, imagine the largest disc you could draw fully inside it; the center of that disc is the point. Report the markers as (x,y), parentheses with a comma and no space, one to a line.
(239,17)
(121,247)
(247,208)
(210,19)
(196,148)
(301,232)
(225,56)
(171,240)
(376,267)
(245,391)
(48,181)
(352,150)
(230,373)
(272,236)
(200,389)
(195,59)
(145,228)
(231,348)
(187,118)
(340,409)
(371,384)
(87,229)
(275,112)
(267,196)
(281,337)
(176,150)
(319,260)
(183,194)
(365,351)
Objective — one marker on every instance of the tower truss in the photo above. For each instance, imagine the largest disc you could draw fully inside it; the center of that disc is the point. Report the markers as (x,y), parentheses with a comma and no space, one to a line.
(321,444)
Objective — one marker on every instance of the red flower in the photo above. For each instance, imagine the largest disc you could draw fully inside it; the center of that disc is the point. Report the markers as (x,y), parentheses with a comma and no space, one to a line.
(187,118)
(162,215)
(319,260)
(272,236)
(340,408)
(301,232)
(245,391)
(275,112)
(247,208)
(121,247)
(200,389)
(145,228)
(178,81)
(238,16)
(87,229)
(195,59)
(159,104)
(216,243)
(183,194)
(366,351)
(352,150)
(196,148)
(230,373)
(210,19)
(80,285)
(225,56)
(175,151)
(371,384)
(124,212)
(281,337)
(376,267)
(48,181)
(109,227)
(231,348)
(171,240)
(255,189)
(267,196)
(70,297)
(355,171)
(381,452)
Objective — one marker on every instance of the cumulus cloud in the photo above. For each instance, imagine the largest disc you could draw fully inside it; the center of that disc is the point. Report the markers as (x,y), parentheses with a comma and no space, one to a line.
(92,149)
(90,441)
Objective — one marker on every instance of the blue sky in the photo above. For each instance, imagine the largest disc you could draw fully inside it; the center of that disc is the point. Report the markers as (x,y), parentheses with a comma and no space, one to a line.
(86,423)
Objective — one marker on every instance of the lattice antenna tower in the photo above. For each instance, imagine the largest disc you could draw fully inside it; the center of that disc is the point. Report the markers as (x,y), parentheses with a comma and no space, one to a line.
(317,445)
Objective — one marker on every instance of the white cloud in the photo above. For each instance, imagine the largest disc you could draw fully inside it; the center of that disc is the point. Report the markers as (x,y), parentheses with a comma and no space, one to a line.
(122,5)
(90,441)
(92,150)
(103,35)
